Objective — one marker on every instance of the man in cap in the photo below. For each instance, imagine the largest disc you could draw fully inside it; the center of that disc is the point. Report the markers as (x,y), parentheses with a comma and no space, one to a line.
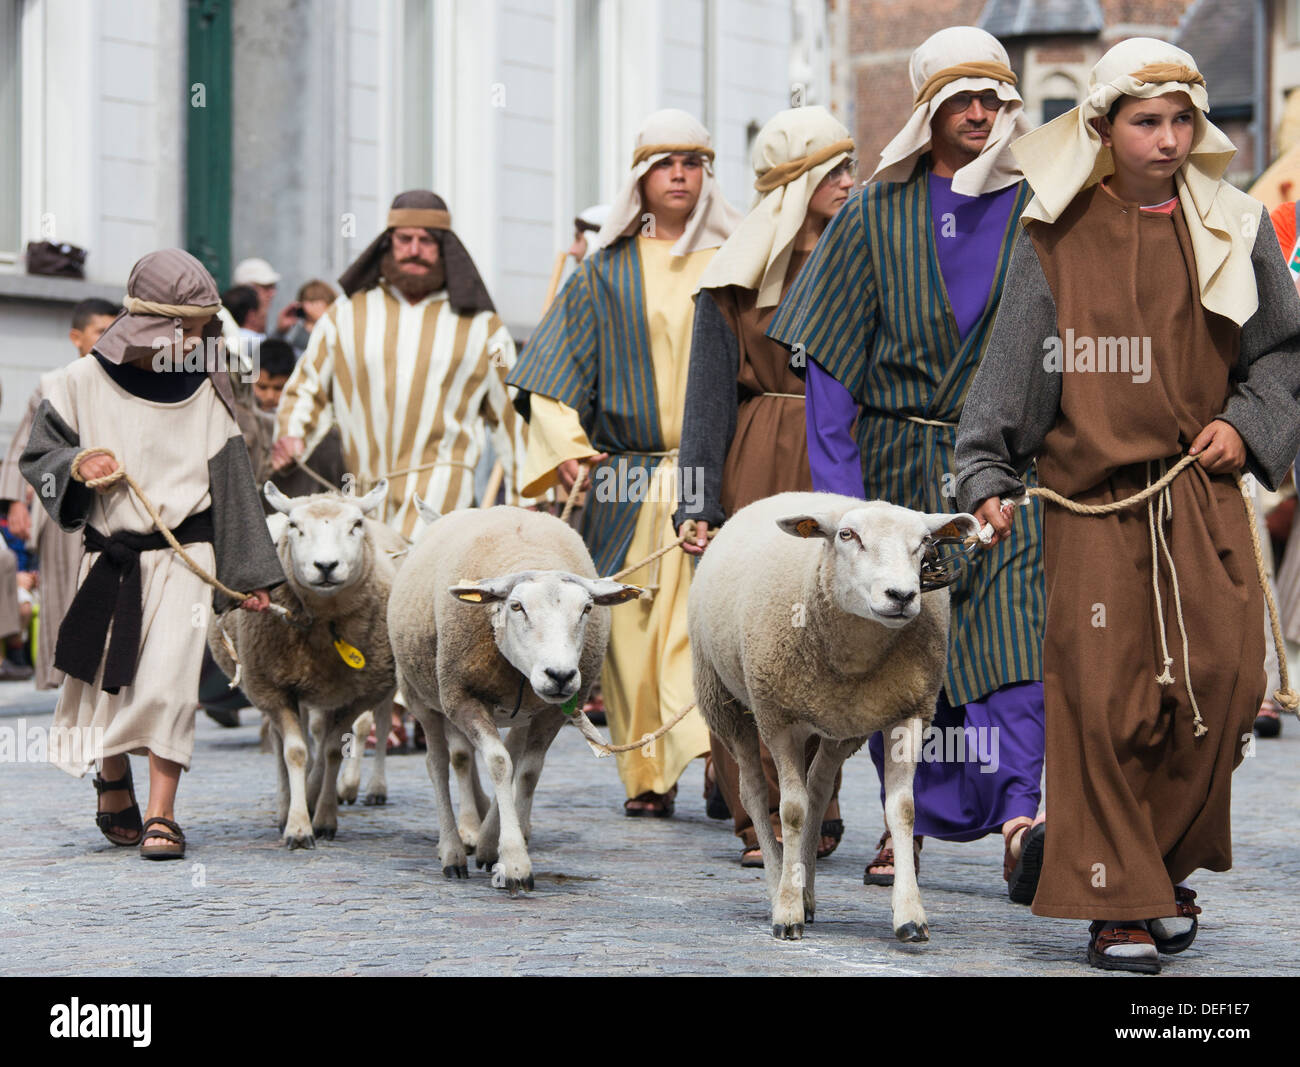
(892,314)
(263,279)
(604,382)
(409,363)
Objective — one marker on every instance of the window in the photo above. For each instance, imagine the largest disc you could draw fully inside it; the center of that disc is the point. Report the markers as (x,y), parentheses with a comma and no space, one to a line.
(10,128)
(1056,105)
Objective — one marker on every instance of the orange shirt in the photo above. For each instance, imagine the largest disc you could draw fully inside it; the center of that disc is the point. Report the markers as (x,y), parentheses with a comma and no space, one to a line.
(1283,218)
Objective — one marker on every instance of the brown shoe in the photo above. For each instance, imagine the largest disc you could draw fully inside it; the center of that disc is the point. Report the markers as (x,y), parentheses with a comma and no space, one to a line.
(171,832)
(1122,948)
(885,859)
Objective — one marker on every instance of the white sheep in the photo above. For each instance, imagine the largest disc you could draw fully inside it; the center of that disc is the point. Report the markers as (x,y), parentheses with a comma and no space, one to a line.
(332,662)
(497,618)
(806,617)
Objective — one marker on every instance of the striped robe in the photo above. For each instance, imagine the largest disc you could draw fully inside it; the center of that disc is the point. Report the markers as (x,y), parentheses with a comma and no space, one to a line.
(409,386)
(870,307)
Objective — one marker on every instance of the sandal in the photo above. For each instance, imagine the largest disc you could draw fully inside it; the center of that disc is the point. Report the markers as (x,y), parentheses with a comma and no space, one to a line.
(172,833)
(128,819)
(1131,936)
(1184,898)
(752,857)
(885,858)
(1022,874)
(834,829)
(657,805)
(1268,723)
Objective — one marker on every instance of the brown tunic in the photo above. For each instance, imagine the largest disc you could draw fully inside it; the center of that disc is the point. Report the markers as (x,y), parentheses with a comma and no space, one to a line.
(769,450)
(1137,802)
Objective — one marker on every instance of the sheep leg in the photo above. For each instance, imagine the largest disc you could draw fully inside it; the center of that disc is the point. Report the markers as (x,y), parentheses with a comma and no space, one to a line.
(282,774)
(350,775)
(325,815)
(451,849)
(377,787)
(901,755)
(541,732)
(468,787)
(514,872)
(788,755)
(821,778)
(489,834)
(753,795)
(297,827)
(317,728)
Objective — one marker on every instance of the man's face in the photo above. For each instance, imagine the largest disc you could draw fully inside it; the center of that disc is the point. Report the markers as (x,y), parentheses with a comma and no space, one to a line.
(85,338)
(962,123)
(267,390)
(672,186)
(1150,139)
(415,250)
(579,247)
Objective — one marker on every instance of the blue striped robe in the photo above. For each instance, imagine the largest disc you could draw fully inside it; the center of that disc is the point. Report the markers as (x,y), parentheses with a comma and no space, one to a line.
(591,351)
(870,307)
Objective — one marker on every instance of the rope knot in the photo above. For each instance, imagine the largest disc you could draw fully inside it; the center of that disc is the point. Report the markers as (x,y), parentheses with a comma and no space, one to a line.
(1287,698)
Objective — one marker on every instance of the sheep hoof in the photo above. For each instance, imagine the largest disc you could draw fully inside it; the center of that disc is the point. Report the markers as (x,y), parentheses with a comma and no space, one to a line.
(793,932)
(349,800)
(514,885)
(376,799)
(452,871)
(304,841)
(909,932)
(327,832)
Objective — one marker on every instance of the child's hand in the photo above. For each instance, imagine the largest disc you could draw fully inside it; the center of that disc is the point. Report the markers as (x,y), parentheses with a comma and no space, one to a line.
(991,512)
(1219,448)
(97,465)
(259,601)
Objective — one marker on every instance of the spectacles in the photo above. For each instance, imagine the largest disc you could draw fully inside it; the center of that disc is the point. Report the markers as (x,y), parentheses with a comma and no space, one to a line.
(847,169)
(958,102)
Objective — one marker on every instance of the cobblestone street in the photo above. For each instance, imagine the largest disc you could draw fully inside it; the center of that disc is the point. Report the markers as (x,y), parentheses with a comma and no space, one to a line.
(614,895)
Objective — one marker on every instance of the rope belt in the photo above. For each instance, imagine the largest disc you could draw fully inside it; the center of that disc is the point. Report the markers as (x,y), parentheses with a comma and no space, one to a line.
(1159,508)
(930,422)
(788,396)
(112,594)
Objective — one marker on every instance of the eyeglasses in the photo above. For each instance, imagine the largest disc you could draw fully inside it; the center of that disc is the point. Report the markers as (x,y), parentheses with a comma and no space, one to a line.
(958,102)
(847,169)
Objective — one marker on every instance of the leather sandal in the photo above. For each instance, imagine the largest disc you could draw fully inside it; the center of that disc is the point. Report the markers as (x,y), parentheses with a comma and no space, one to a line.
(1022,878)
(885,858)
(120,822)
(661,806)
(1187,909)
(171,832)
(1101,939)
(834,829)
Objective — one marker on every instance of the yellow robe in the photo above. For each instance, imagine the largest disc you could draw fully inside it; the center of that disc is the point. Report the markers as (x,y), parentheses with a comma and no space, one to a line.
(647,674)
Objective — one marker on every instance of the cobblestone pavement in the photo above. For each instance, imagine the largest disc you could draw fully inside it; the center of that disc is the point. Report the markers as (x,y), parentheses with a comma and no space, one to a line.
(614,895)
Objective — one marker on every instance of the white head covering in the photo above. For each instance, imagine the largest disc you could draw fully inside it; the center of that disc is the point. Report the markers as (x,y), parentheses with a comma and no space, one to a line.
(960,59)
(793,152)
(663,133)
(1066,156)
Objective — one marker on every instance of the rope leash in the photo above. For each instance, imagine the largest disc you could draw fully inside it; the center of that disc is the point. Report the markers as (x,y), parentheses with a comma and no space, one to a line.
(1285,696)
(597,743)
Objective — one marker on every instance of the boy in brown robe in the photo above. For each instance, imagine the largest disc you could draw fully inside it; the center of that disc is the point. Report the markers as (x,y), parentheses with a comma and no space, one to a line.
(1153,318)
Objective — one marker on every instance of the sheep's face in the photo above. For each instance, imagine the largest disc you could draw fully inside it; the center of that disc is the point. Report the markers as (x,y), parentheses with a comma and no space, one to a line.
(875,556)
(539,620)
(324,541)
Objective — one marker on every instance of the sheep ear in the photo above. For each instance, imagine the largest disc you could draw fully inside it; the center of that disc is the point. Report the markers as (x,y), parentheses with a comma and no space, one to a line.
(485,592)
(808,525)
(371,501)
(425,511)
(606,591)
(277,499)
(959,525)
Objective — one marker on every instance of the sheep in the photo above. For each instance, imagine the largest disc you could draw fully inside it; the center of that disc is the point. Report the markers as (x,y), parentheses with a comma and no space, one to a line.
(339,575)
(497,618)
(806,617)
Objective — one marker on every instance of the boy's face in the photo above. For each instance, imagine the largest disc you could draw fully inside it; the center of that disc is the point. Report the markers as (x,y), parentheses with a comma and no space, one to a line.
(1150,139)
(267,390)
(85,338)
(672,186)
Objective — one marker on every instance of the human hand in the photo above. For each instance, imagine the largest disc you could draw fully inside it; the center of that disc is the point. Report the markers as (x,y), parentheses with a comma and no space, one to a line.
(568,471)
(992,511)
(699,533)
(259,601)
(287,317)
(97,465)
(285,451)
(1219,448)
(20,520)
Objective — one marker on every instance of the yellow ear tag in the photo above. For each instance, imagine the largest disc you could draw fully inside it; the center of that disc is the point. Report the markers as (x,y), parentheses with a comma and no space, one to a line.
(347,653)
(473,597)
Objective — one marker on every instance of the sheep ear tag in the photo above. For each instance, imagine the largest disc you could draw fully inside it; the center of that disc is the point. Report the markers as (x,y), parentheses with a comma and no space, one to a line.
(807,527)
(347,653)
(571,706)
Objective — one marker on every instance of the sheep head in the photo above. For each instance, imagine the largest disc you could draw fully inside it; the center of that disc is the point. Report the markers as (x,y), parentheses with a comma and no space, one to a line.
(539,621)
(324,537)
(873,555)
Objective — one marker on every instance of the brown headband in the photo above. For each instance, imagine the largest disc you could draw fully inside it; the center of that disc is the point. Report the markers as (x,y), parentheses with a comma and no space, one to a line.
(977,69)
(1157,73)
(135,306)
(647,150)
(425,218)
(785,173)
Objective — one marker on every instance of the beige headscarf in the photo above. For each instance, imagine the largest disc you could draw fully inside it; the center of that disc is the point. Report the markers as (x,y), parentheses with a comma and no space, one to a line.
(793,152)
(1066,156)
(660,135)
(960,59)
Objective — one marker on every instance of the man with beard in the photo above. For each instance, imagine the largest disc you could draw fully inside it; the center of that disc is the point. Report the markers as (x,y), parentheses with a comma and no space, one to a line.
(408,363)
